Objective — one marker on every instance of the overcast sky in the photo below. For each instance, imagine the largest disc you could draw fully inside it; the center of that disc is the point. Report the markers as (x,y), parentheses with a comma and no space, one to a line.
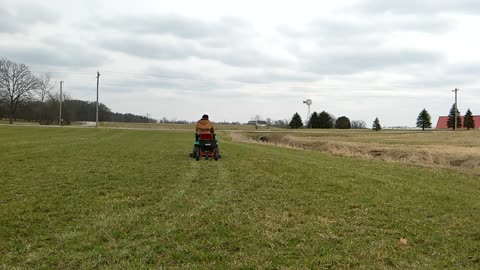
(236,59)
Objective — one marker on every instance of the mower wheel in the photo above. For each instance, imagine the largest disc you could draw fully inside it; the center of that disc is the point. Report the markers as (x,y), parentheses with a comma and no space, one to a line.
(196,153)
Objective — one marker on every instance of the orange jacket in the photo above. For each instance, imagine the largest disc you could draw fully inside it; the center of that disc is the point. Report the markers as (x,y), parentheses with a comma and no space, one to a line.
(204,126)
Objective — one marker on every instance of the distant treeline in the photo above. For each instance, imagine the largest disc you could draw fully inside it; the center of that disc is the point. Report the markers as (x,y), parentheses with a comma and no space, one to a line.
(27,97)
(48,112)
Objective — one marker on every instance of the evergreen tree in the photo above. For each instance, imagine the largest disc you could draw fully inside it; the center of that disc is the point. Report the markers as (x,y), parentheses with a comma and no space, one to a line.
(468,121)
(451,118)
(325,120)
(343,123)
(376,125)
(424,120)
(314,121)
(296,121)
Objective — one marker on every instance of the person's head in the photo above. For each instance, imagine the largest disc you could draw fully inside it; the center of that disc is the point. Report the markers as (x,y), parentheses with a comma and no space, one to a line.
(205,116)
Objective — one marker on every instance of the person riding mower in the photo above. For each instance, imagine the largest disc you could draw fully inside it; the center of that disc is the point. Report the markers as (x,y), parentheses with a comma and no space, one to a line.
(205,144)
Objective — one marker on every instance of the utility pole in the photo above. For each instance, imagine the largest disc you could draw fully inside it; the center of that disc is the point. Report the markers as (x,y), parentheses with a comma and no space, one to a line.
(98,79)
(60,120)
(456,108)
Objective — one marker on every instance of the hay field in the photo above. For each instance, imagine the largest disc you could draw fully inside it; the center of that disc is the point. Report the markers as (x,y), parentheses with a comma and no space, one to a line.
(438,149)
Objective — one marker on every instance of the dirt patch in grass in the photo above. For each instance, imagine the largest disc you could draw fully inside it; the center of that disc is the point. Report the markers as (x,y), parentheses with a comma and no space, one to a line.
(461,158)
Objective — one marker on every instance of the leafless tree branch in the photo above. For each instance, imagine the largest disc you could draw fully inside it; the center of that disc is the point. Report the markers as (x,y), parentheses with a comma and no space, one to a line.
(17,84)
(46,87)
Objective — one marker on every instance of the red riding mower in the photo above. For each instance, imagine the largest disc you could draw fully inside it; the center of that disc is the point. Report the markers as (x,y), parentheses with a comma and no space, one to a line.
(206,146)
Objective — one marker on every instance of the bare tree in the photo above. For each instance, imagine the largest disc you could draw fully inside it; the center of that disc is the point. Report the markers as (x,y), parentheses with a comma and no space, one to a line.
(46,87)
(269,122)
(358,124)
(281,123)
(255,119)
(53,96)
(164,120)
(16,85)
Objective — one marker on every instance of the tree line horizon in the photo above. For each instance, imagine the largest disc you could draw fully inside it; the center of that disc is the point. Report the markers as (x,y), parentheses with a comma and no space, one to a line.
(325,120)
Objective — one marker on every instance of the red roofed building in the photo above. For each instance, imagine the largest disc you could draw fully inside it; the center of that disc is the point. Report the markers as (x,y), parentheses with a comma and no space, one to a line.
(442,121)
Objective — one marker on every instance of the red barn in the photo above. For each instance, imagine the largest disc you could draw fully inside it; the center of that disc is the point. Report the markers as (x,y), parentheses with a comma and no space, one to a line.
(442,121)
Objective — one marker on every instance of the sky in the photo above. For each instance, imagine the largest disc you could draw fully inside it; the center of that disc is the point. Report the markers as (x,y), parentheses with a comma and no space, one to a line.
(234,60)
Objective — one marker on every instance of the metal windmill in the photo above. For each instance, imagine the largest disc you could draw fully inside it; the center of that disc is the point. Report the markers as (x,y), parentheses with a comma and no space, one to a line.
(308,102)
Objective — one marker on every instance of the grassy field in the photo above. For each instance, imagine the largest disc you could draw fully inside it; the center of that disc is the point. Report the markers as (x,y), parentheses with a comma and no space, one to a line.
(74,198)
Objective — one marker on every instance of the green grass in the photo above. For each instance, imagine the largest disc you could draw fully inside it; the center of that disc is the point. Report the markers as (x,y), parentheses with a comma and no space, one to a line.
(126,199)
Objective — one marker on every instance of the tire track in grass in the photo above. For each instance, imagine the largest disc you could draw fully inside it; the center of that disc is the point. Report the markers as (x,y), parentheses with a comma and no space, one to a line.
(182,188)
(194,212)
(208,223)
(219,184)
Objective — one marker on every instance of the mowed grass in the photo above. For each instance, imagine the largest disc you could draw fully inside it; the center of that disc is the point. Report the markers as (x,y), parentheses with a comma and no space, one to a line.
(75,198)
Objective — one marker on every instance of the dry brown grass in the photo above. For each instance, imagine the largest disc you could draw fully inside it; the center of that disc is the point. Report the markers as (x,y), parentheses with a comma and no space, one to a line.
(459,150)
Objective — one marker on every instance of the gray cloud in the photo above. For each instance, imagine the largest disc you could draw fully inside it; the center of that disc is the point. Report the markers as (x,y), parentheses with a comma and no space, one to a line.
(24,17)
(161,78)
(380,24)
(178,26)
(357,60)
(223,33)
(227,40)
(372,30)
(184,79)
(169,72)
(152,49)
(449,77)
(34,13)
(355,44)
(170,49)
(418,7)
(272,76)
(8,23)
(468,69)
(55,52)
(248,57)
